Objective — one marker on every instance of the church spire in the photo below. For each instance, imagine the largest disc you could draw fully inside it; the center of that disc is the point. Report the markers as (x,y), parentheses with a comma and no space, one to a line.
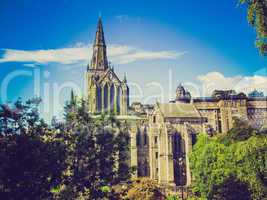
(99,39)
(99,58)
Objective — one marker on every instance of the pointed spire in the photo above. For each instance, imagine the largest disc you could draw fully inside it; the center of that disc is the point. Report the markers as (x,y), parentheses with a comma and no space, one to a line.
(99,39)
(99,58)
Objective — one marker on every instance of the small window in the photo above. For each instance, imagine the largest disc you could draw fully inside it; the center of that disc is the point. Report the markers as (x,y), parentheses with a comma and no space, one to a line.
(154,119)
(157,155)
(156,139)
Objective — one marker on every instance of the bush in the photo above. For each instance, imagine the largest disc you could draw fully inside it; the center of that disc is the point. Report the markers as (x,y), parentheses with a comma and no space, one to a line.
(145,189)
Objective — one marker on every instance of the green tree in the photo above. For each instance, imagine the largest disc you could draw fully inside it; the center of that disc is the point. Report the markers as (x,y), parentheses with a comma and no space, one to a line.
(238,156)
(123,148)
(85,176)
(105,148)
(230,189)
(241,131)
(257,17)
(31,166)
(96,152)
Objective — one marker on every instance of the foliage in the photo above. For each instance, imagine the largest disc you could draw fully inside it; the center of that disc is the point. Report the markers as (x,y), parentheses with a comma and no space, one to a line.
(98,154)
(257,17)
(230,189)
(31,166)
(237,158)
(123,148)
(241,131)
(145,189)
(21,118)
(172,198)
(80,158)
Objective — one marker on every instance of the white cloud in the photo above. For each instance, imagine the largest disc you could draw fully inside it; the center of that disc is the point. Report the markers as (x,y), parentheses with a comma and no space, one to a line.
(216,80)
(82,53)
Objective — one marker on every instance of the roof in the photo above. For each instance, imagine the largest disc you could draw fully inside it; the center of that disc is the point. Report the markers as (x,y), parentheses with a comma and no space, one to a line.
(178,110)
(107,73)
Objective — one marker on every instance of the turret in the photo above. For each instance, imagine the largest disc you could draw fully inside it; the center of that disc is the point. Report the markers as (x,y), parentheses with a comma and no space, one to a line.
(182,95)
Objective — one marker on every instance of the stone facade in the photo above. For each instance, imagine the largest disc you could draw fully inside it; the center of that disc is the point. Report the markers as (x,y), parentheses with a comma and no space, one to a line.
(162,135)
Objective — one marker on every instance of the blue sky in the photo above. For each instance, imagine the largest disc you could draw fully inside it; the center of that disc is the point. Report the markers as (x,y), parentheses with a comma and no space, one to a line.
(45,46)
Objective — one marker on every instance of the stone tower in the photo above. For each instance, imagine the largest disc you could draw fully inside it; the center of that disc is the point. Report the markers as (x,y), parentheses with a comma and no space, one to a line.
(106,92)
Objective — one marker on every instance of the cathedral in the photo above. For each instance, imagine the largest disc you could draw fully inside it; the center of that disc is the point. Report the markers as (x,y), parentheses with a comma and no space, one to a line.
(106,92)
(162,135)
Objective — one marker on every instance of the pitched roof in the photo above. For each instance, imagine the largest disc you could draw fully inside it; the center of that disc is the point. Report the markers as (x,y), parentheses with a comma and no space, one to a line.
(107,73)
(178,110)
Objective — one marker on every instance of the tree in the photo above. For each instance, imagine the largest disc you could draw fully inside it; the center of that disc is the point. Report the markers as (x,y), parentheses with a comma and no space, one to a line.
(85,175)
(79,158)
(241,131)
(123,148)
(105,147)
(239,159)
(96,152)
(230,189)
(257,17)
(31,165)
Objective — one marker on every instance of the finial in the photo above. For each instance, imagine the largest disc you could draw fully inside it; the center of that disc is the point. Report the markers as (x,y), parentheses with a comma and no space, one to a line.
(99,15)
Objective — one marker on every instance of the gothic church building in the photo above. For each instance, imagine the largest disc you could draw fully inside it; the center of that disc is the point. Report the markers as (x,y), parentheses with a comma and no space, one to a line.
(106,92)
(162,135)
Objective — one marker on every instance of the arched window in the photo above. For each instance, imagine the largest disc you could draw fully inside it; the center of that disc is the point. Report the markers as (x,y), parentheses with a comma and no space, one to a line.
(145,136)
(112,91)
(99,99)
(118,98)
(106,97)
(176,143)
(138,138)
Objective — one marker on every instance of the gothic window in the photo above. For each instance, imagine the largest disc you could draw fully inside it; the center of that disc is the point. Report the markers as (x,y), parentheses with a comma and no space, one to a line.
(118,98)
(106,97)
(145,137)
(157,155)
(112,97)
(138,138)
(99,99)
(176,144)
